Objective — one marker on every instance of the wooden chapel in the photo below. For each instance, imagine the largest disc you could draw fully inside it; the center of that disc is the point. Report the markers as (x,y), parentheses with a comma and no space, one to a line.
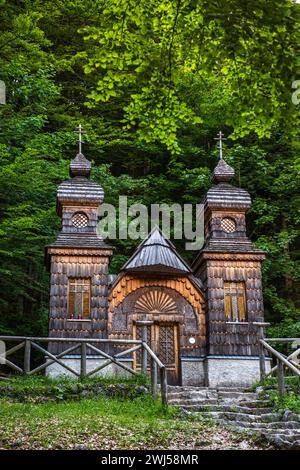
(202,319)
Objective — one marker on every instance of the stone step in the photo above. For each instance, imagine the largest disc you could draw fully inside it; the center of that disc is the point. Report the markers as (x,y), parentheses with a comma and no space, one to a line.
(284,433)
(251,403)
(240,410)
(234,409)
(263,426)
(185,393)
(282,443)
(183,398)
(190,389)
(261,429)
(283,439)
(242,417)
(232,389)
(230,395)
(192,402)
(178,388)
(290,416)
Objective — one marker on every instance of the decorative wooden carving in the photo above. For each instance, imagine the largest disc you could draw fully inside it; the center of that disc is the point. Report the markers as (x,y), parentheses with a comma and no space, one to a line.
(129,283)
(155,301)
(175,300)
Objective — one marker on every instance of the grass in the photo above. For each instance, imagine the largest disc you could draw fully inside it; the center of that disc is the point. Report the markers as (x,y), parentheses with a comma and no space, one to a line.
(41,381)
(291,401)
(106,423)
(40,389)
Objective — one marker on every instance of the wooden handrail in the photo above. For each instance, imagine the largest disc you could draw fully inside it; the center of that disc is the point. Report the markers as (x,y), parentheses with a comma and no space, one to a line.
(280,357)
(281,362)
(153,355)
(70,340)
(289,358)
(281,340)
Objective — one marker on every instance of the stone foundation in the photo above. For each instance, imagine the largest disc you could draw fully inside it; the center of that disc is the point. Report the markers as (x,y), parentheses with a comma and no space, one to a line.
(193,371)
(239,371)
(212,371)
(56,370)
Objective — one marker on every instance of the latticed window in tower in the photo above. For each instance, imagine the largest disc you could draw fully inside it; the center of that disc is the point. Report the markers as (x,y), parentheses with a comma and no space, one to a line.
(80,220)
(166,344)
(228,225)
(79,298)
(235,301)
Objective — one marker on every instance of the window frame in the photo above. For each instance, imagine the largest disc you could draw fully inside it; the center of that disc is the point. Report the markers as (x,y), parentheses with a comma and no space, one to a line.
(84,281)
(235,292)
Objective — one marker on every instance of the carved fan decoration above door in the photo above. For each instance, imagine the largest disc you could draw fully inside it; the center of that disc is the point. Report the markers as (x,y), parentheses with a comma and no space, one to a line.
(155,301)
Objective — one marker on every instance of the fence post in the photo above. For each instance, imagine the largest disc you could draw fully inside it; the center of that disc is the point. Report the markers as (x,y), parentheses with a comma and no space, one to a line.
(164,386)
(262,362)
(27,353)
(144,351)
(280,378)
(83,361)
(144,324)
(262,357)
(153,378)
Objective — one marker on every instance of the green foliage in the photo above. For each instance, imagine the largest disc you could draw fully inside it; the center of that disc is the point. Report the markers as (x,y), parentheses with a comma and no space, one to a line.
(142,51)
(44,389)
(290,401)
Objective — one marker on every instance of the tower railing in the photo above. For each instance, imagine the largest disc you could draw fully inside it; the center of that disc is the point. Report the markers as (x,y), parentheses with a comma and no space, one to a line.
(27,344)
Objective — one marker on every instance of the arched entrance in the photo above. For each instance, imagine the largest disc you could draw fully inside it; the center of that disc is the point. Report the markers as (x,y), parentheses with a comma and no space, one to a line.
(175,317)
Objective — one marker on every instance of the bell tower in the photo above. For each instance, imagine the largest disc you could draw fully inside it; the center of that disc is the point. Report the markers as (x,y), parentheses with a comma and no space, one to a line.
(78,260)
(230,269)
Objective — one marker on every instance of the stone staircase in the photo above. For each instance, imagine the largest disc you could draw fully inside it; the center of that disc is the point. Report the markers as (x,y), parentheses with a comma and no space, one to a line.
(240,410)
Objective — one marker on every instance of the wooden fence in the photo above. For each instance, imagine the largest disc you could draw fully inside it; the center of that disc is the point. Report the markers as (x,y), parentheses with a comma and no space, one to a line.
(27,344)
(284,363)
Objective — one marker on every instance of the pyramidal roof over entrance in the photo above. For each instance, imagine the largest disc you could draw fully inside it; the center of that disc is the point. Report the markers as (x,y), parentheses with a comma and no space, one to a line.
(157,254)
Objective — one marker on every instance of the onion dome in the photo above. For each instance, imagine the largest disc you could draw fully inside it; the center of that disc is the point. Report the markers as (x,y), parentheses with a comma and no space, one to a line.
(80,166)
(223,172)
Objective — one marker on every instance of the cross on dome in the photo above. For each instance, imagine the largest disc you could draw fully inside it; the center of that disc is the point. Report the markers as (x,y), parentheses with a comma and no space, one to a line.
(80,130)
(220,138)
(223,172)
(80,166)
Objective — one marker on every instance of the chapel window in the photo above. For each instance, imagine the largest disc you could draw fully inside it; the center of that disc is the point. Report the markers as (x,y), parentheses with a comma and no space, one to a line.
(235,301)
(79,298)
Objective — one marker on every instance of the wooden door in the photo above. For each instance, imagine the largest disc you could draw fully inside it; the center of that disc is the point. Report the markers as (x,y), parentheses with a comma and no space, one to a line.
(168,350)
(163,339)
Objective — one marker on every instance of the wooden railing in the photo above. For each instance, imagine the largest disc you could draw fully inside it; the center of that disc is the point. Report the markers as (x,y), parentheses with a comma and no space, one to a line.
(283,362)
(27,344)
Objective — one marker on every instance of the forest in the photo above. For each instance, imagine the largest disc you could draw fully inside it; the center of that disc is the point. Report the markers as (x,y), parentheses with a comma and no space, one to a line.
(152,82)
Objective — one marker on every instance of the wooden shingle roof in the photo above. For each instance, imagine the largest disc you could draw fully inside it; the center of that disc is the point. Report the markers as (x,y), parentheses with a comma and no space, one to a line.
(224,195)
(79,240)
(79,190)
(223,172)
(156,254)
